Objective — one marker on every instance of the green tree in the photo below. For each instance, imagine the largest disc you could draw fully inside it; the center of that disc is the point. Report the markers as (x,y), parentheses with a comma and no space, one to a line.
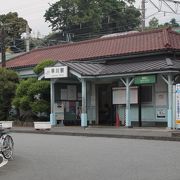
(153,23)
(81,19)
(40,67)
(32,97)
(14,26)
(173,23)
(118,16)
(8,82)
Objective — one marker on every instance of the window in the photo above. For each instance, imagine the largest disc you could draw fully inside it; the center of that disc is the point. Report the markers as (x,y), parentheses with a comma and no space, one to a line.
(146,94)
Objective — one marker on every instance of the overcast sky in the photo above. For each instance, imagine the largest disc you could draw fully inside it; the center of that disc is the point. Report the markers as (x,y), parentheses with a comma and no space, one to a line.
(33,11)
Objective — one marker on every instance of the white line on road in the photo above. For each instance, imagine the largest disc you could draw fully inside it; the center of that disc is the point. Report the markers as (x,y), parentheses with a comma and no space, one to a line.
(4,162)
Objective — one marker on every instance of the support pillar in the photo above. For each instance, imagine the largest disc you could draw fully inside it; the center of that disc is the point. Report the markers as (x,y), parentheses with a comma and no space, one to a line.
(52,115)
(128,83)
(170,100)
(84,109)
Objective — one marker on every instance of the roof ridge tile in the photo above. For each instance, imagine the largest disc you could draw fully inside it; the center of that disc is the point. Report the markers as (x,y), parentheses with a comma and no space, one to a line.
(166,37)
(98,49)
(101,39)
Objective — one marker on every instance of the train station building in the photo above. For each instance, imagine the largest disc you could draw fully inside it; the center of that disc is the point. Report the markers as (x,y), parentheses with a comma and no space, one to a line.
(93,82)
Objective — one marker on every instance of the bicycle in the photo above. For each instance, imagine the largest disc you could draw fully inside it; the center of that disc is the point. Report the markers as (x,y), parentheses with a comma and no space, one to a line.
(6,144)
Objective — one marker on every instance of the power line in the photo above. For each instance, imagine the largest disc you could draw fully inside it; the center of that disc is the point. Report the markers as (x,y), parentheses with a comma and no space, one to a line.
(167,4)
(122,27)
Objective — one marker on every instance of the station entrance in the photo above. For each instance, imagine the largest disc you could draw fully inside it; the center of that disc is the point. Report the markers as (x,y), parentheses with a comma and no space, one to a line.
(105,107)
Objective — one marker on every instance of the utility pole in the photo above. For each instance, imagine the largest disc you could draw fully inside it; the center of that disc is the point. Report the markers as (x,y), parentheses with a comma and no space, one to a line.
(27,37)
(143,14)
(3,47)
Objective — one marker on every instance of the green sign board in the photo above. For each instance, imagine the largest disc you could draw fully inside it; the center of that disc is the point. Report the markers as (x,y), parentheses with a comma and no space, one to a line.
(147,79)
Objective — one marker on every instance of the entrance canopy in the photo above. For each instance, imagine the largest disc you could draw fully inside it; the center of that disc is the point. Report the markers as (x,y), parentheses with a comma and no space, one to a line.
(125,71)
(103,70)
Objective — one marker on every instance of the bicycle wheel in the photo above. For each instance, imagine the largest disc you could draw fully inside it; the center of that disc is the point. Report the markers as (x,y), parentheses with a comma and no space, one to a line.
(7,147)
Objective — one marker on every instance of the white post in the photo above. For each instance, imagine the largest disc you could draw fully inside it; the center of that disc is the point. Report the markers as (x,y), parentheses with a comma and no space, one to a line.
(169,83)
(52,115)
(84,110)
(128,83)
(169,101)
(128,122)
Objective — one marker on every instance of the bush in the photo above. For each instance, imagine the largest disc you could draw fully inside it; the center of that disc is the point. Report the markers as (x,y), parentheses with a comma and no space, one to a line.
(40,67)
(8,83)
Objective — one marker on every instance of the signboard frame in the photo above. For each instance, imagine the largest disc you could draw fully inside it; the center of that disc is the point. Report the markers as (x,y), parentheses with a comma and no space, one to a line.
(178,105)
(119,95)
(56,72)
(145,79)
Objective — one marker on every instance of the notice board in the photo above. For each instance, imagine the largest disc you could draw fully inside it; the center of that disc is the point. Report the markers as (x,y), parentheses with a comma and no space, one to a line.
(119,95)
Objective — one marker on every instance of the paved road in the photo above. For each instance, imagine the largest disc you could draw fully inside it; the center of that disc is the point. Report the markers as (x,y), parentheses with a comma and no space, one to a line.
(46,157)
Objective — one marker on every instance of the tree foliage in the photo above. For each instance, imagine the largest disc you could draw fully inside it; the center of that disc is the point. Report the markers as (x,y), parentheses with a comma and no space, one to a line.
(33,96)
(172,23)
(40,67)
(14,26)
(154,23)
(83,18)
(8,82)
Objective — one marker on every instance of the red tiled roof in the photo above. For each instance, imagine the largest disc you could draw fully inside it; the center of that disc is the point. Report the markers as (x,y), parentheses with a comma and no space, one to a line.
(149,41)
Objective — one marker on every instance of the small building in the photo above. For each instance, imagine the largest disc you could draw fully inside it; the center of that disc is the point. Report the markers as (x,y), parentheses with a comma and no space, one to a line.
(93,81)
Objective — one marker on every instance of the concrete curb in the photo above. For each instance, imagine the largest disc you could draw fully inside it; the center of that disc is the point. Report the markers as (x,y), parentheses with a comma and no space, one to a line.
(99,135)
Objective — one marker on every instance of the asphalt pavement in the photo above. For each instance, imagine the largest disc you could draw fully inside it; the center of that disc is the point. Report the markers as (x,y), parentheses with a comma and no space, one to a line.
(45,157)
(108,131)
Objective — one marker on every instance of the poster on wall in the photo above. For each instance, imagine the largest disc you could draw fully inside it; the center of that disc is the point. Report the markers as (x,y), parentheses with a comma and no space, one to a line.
(72,92)
(160,113)
(119,95)
(64,94)
(161,99)
(59,111)
(177,102)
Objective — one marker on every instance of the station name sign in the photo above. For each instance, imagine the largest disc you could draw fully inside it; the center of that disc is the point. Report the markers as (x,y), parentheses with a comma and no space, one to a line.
(56,72)
(147,79)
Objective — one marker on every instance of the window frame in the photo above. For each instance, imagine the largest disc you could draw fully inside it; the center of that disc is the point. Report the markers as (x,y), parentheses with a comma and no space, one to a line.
(148,102)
